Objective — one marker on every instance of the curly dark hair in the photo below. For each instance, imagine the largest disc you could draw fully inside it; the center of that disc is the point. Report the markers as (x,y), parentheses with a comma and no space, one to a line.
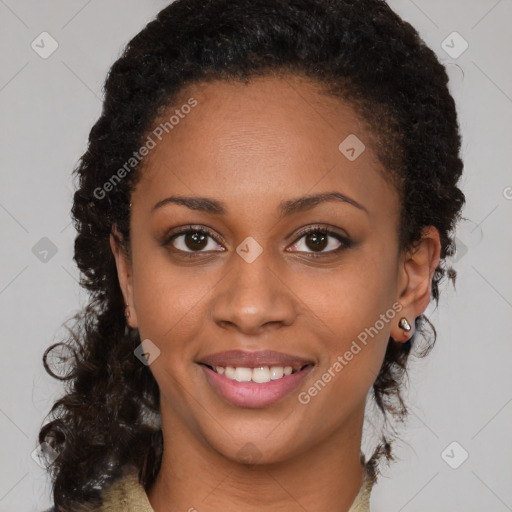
(357,50)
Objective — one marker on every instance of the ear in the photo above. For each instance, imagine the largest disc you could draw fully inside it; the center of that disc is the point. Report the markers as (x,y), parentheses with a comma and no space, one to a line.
(125,276)
(416,270)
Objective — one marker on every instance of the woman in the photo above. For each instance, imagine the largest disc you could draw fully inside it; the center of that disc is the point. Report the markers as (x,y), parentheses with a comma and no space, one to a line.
(263,213)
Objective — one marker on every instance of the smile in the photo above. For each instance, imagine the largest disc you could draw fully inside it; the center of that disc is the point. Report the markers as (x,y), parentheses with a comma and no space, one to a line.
(254,387)
(259,375)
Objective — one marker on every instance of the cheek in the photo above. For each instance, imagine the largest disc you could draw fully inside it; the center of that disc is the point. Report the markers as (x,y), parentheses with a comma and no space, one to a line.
(358,313)
(168,299)
(354,306)
(351,297)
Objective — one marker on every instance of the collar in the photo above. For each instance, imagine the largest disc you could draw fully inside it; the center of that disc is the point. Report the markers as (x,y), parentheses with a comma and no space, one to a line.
(128,495)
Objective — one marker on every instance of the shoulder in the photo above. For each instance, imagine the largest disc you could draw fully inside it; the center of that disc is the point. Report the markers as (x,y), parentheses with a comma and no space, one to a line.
(126,494)
(123,495)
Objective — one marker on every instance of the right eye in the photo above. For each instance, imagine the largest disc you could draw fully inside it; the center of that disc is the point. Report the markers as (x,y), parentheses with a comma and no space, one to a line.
(193,240)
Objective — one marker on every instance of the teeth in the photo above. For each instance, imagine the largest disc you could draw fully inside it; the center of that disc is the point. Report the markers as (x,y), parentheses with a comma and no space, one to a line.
(260,375)
(276,372)
(230,373)
(243,374)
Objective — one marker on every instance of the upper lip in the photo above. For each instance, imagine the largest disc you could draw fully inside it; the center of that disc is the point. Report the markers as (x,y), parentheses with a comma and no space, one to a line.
(241,358)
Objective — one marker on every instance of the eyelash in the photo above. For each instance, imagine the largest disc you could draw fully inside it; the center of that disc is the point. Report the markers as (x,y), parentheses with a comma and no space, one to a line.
(345,242)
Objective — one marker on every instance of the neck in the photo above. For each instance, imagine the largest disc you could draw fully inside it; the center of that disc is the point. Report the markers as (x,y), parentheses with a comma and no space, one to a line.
(193,476)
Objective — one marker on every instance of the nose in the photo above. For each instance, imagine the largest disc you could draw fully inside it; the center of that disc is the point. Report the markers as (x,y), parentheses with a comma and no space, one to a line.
(253,297)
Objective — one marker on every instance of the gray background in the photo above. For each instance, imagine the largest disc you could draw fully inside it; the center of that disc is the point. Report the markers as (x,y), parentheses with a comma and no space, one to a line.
(461,392)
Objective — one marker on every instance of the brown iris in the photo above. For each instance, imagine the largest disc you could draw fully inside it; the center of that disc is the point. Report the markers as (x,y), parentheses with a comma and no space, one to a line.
(196,240)
(318,241)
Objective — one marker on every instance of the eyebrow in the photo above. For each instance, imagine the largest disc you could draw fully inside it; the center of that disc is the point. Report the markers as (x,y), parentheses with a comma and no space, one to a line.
(286,208)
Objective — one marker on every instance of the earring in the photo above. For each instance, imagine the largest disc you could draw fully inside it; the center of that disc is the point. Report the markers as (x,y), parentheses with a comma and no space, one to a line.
(404,324)
(127,311)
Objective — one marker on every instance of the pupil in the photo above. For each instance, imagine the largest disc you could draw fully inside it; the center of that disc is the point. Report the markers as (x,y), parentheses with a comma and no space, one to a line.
(197,240)
(318,240)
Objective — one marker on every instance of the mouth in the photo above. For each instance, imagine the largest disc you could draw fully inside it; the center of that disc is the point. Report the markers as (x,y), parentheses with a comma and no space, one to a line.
(254,379)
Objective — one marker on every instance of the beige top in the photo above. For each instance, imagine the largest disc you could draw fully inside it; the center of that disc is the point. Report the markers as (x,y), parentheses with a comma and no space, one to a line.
(128,495)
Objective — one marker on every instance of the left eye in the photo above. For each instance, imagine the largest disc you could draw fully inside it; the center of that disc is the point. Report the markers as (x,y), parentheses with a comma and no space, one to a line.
(317,240)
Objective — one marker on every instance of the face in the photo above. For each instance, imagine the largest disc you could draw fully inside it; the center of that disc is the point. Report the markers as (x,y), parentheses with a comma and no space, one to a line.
(237,271)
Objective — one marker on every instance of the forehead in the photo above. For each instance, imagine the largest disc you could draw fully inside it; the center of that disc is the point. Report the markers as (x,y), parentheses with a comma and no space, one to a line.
(265,137)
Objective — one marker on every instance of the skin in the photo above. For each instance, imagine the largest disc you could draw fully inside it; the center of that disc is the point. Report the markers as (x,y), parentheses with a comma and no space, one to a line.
(251,147)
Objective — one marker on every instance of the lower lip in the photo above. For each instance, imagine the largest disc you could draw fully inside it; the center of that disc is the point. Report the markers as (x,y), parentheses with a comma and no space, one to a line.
(253,394)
